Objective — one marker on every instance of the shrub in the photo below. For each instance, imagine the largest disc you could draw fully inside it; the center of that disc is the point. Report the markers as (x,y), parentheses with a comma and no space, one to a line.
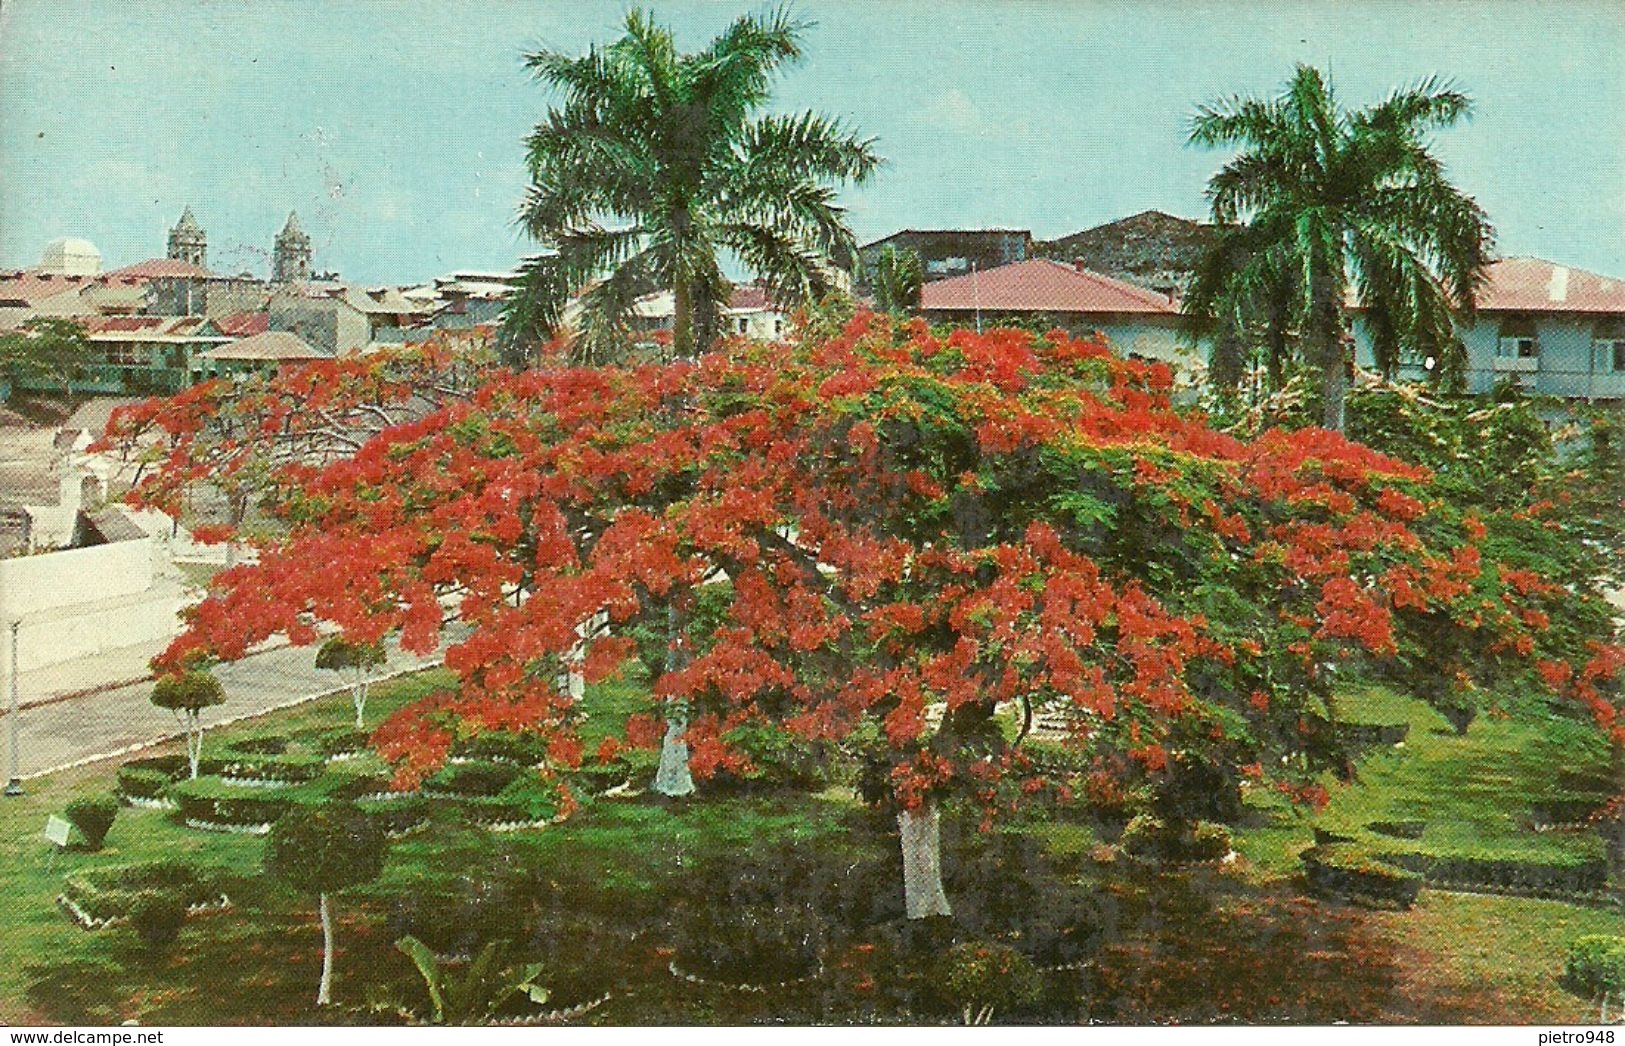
(289,769)
(473,779)
(1550,873)
(157,917)
(1347,871)
(108,893)
(980,978)
(501,746)
(148,778)
(1153,839)
(778,758)
(1595,968)
(272,744)
(343,741)
(395,816)
(93,816)
(213,802)
(1373,735)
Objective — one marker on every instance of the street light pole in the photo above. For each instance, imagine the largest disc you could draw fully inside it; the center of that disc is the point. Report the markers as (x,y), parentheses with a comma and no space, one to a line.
(15,785)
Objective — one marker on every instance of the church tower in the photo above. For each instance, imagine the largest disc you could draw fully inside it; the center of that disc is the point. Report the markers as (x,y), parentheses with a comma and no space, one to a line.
(186,240)
(290,260)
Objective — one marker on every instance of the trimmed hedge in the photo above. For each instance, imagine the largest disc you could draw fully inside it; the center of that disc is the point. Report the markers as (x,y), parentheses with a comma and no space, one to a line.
(396,816)
(107,894)
(148,778)
(287,769)
(344,741)
(272,744)
(471,779)
(1153,839)
(207,801)
(499,746)
(1564,812)
(1346,870)
(1595,966)
(1556,873)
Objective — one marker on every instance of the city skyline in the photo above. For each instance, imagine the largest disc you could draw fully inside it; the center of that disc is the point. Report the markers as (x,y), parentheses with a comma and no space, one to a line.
(395,130)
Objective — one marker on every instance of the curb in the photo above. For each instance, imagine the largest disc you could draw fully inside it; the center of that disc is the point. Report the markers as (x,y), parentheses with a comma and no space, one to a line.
(171,735)
(102,688)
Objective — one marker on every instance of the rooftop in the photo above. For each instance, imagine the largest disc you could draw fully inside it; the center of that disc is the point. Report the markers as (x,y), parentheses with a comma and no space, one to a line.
(1041,285)
(269,345)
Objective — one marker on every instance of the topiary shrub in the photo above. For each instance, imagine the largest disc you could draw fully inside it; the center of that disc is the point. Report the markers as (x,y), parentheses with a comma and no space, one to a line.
(501,746)
(1398,829)
(271,744)
(1151,838)
(980,978)
(148,778)
(321,850)
(1595,970)
(334,744)
(156,917)
(98,896)
(93,817)
(356,659)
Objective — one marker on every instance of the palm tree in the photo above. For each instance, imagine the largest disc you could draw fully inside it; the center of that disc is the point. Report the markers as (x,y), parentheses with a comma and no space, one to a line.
(898,279)
(657,165)
(1322,201)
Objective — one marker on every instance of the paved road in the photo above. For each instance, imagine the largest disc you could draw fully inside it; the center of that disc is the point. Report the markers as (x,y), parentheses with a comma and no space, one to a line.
(83,729)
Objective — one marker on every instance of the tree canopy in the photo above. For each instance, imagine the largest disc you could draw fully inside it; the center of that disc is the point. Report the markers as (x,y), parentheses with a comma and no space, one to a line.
(863,528)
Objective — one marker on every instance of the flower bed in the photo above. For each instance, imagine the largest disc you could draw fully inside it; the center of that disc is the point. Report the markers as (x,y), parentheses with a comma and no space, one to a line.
(274,769)
(1398,829)
(1347,871)
(103,897)
(1557,875)
(214,804)
(398,815)
(471,779)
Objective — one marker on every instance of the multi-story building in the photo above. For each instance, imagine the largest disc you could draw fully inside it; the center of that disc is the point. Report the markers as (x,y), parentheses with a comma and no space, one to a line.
(1552,329)
(950,252)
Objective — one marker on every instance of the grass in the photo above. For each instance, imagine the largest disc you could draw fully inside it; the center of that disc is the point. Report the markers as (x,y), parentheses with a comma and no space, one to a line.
(597,899)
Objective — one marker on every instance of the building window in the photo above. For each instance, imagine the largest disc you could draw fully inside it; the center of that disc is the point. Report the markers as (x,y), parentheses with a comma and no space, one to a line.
(778,328)
(1518,340)
(1608,345)
(744,325)
(124,354)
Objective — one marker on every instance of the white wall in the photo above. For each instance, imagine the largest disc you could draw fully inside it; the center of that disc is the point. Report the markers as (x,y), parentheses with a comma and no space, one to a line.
(84,601)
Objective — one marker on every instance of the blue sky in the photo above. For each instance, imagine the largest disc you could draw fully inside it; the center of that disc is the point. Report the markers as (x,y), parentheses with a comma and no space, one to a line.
(394,128)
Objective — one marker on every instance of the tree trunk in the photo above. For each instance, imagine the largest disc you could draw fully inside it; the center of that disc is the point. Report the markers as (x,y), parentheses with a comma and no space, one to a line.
(923,895)
(1614,842)
(682,332)
(194,741)
(1334,385)
(358,697)
(324,994)
(672,777)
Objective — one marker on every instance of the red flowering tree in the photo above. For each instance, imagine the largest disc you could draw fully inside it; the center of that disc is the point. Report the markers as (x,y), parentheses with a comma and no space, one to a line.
(917,540)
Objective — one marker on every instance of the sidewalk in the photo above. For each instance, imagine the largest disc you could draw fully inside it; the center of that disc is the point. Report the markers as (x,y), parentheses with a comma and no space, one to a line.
(59,731)
(84,675)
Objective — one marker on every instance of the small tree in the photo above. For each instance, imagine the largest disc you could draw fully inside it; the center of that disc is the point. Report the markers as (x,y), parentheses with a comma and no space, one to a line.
(359,659)
(322,850)
(187,694)
(898,279)
(1595,970)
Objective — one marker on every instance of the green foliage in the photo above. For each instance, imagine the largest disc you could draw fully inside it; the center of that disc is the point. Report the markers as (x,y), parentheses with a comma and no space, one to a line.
(476,995)
(898,279)
(93,816)
(339,655)
(45,349)
(137,782)
(1153,838)
(189,691)
(324,849)
(501,746)
(982,978)
(157,917)
(1595,966)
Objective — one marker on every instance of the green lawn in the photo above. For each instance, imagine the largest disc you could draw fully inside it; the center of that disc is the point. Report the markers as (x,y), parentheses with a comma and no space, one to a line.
(602,900)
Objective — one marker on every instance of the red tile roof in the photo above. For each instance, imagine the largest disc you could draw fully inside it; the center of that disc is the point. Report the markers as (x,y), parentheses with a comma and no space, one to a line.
(1537,285)
(157,268)
(1040,285)
(749,298)
(242,324)
(28,288)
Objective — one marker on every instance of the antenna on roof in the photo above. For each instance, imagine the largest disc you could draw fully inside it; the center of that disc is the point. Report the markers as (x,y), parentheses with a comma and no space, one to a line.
(976,295)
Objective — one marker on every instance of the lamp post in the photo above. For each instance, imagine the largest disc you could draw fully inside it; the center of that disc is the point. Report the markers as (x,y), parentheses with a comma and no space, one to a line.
(14,786)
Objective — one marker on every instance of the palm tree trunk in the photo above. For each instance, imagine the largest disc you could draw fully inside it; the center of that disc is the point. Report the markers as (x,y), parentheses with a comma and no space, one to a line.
(324,994)
(682,333)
